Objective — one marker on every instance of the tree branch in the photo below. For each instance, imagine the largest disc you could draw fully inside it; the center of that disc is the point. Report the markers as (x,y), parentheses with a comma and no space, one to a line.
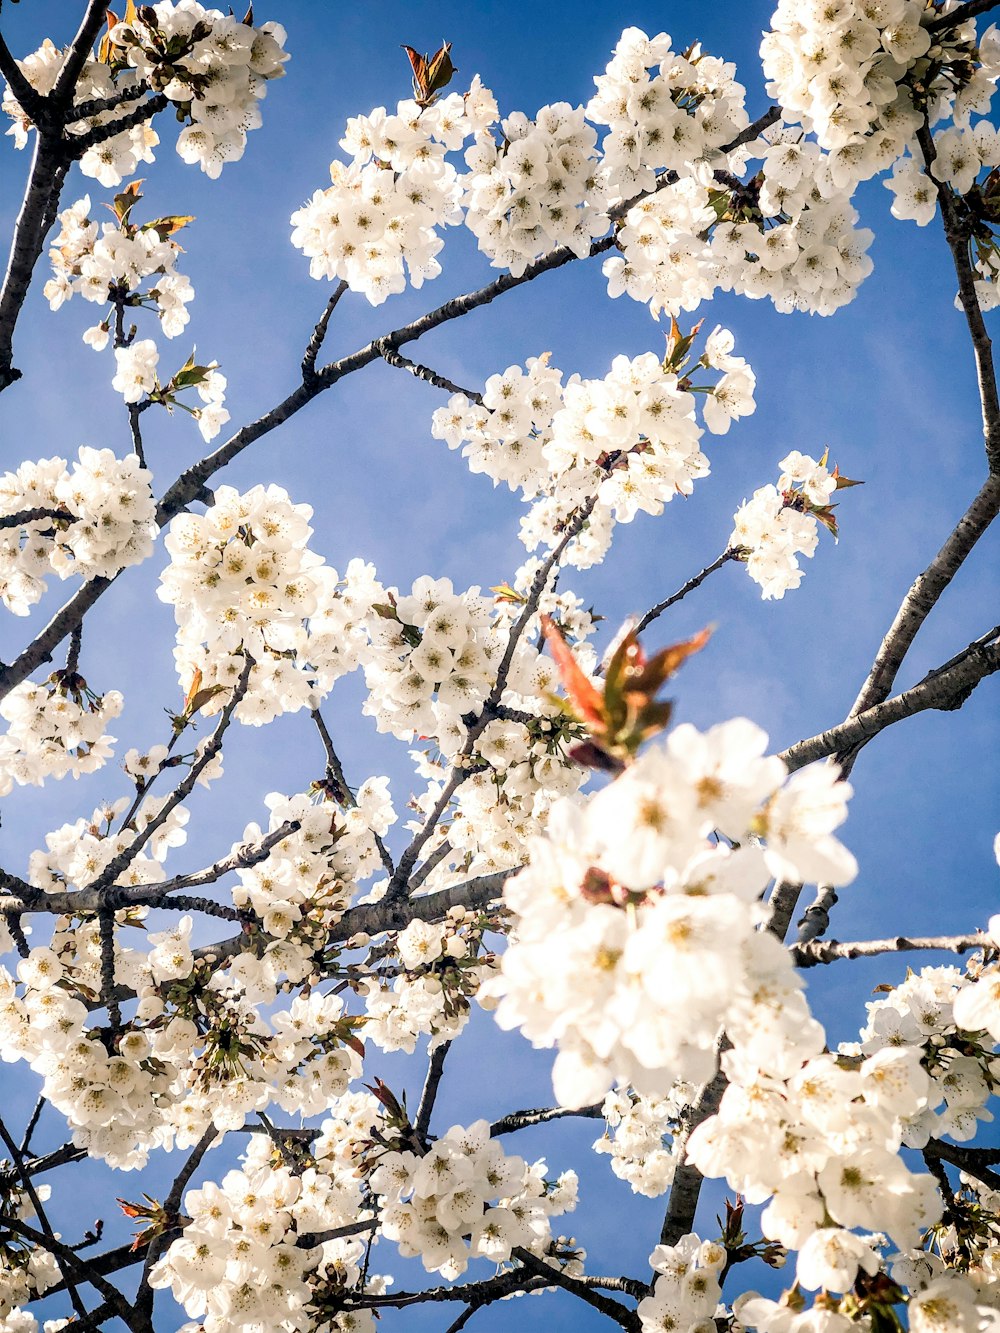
(967,1160)
(613,1309)
(957,235)
(516,1120)
(78,144)
(184,788)
(428,1096)
(970,10)
(32,103)
(84,1268)
(76,56)
(65,620)
(924,593)
(343,793)
(17,1159)
(171,1207)
(829,951)
(33,221)
(946,688)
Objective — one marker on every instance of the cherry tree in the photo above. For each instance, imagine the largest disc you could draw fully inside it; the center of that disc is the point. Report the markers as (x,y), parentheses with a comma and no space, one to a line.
(639,898)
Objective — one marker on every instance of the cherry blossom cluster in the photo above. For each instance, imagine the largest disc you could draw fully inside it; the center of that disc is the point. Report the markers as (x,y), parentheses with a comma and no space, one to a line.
(377,223)
(242,581)
(627,898)
(687,1288)
(934,1011)
(675,119)
(536,189)
(859,76)
(631,439)
(442,966)
(245,1258)
(110,263)
(309,878)
(638,1148)
(55,729)
(782,522)
(197,1052)
(77,853)
(789,235)
(822,1143)
(135,376)
(212,67)
(438,1206)
(26,1270)
(97,520)
(109,161)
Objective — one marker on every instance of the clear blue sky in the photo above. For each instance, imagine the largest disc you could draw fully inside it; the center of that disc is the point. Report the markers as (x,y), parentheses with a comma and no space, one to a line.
(887,384)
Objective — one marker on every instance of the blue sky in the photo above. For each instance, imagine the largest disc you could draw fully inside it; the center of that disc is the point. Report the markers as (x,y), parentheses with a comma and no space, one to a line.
(887,384)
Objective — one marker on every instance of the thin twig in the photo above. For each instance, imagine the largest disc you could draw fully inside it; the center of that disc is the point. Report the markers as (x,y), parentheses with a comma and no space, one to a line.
(956,232)
(84,1269)
(731,553)
(394,358)
(32,1124)
(78,144)
(79,51)
(171,1208)
(17,1158)
(134,412)
(621,1314)
(120,863)
(74,902)
(319,332)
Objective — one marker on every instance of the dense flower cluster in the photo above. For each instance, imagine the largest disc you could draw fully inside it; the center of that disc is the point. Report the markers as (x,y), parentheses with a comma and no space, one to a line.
(54,729)
(438,1205)
(627,898)
(782,522)
(687,1288)
(377,222)
(212,67)
(536,189)
(97,519)
(675,120)
(628,442)
(109,161)
(308,879)
(639,1151)
(441,966)
(242,581)
(25,1270)
(858,74)
(241,1259)
(109,264)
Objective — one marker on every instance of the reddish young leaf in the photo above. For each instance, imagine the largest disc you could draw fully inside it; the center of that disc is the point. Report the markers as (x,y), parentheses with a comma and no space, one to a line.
(586,699)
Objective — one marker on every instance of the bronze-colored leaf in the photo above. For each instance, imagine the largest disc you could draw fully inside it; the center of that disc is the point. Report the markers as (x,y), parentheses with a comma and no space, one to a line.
(585,697)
